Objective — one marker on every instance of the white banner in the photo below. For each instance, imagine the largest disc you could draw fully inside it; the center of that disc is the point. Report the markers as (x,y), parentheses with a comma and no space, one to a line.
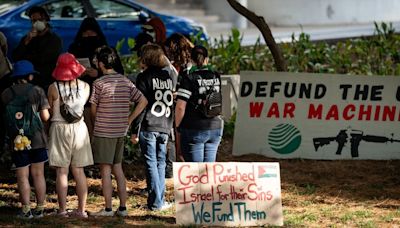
(228,194)
(318,116)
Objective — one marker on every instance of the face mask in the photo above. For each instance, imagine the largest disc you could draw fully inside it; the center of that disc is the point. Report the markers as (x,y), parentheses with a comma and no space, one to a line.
(39,26)
(92,41)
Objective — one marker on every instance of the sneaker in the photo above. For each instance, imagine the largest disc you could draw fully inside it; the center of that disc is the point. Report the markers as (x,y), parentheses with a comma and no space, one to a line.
(78,214)
(63,214)
(121,213)
(22,215)
(164,207)
(103,213)
(38,213)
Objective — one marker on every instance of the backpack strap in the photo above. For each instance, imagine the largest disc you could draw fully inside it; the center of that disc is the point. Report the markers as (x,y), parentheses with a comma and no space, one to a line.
(195,76)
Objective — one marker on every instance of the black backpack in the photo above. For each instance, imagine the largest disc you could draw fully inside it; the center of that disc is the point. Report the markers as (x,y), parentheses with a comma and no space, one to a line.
(20,117)
(210,104)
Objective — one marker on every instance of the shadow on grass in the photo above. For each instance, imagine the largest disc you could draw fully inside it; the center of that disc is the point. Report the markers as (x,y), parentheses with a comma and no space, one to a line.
(8,218)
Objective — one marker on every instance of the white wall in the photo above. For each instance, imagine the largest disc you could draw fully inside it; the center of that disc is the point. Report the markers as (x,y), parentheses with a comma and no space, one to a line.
(322,12)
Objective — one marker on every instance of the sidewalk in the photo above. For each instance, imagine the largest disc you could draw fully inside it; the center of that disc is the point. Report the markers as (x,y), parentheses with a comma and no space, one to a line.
(284,34)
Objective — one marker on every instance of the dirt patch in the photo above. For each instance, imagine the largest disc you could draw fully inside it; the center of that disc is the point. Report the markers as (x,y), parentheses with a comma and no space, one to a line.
(314,193)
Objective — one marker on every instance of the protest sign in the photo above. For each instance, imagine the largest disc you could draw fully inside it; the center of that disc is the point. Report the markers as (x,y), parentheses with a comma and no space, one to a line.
(318,116)
(228,194)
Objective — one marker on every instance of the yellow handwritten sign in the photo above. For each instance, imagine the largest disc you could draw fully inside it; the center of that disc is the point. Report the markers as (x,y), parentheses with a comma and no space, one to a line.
(228,194)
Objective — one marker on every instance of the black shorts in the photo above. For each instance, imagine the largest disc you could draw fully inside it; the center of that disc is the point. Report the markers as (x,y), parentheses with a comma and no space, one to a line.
(27,157)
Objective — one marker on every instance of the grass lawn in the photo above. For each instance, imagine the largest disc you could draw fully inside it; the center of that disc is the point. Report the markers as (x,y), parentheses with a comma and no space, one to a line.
(314,194)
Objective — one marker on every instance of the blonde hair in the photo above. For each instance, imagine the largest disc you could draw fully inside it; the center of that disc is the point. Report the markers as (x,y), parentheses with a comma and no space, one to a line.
(153,55)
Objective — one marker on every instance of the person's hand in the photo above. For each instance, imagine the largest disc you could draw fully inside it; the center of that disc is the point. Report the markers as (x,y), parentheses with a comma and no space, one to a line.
(134,138)
(92,72)
(33,33)
(179,155)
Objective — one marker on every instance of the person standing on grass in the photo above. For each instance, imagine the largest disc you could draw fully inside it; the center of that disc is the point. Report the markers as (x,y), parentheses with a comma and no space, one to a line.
(200,135)
(69,145)
(110,101)
(88,38)
(156,122)
(27,122)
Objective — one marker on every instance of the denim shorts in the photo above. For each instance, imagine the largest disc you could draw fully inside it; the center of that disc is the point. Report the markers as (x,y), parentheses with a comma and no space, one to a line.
(27,157)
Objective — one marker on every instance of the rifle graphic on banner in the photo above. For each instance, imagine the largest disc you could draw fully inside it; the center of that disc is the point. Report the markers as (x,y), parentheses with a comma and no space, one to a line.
(356,136)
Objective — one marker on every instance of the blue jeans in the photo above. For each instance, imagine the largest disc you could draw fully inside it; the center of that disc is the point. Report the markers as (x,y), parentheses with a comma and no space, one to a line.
(154,148)
(200,145)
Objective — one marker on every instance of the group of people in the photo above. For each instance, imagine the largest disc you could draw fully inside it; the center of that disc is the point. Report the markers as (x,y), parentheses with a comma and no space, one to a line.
(79,115)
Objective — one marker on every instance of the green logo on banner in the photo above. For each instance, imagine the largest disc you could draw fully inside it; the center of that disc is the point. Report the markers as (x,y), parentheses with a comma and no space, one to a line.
(284,139)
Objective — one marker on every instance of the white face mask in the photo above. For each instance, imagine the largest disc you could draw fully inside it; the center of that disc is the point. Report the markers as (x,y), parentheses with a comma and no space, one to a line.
(39,26)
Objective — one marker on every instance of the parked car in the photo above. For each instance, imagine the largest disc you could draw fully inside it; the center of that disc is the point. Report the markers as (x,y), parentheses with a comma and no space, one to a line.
(118,19)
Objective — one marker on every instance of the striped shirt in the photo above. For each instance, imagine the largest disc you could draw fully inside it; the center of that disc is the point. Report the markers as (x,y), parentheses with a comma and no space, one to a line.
(113,94)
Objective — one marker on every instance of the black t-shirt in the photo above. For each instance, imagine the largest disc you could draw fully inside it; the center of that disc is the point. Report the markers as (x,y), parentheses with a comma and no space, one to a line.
(191,88)
(157,86)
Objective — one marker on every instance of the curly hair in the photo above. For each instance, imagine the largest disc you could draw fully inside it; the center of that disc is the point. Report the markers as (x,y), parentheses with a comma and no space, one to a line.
(178,49)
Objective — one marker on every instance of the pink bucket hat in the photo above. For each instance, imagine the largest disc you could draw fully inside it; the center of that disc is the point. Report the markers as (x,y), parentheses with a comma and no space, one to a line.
(67,68)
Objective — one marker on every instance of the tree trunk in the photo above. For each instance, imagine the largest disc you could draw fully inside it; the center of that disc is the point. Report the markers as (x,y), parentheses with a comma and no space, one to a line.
(260,23)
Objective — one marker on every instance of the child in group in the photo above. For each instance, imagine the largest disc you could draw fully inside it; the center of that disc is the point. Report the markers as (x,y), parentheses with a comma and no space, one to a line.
(69,145)
(157,85)
(110,101)
(26,106)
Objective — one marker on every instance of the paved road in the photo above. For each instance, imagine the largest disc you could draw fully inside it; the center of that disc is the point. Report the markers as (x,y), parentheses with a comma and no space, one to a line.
(284,34)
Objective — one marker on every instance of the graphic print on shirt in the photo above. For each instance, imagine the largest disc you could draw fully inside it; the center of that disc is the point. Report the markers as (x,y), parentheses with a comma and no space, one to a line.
(206,84)
(163,96)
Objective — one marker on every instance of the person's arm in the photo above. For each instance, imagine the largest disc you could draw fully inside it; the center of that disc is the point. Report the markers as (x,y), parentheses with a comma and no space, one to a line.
(94,99)
(44,115)
(139,107)
(136,117)
(51,97)
(180,109)
(93,110)
(136,122)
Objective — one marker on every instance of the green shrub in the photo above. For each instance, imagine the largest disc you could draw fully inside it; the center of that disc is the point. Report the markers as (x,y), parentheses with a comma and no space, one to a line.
(375,55)
(378,54)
